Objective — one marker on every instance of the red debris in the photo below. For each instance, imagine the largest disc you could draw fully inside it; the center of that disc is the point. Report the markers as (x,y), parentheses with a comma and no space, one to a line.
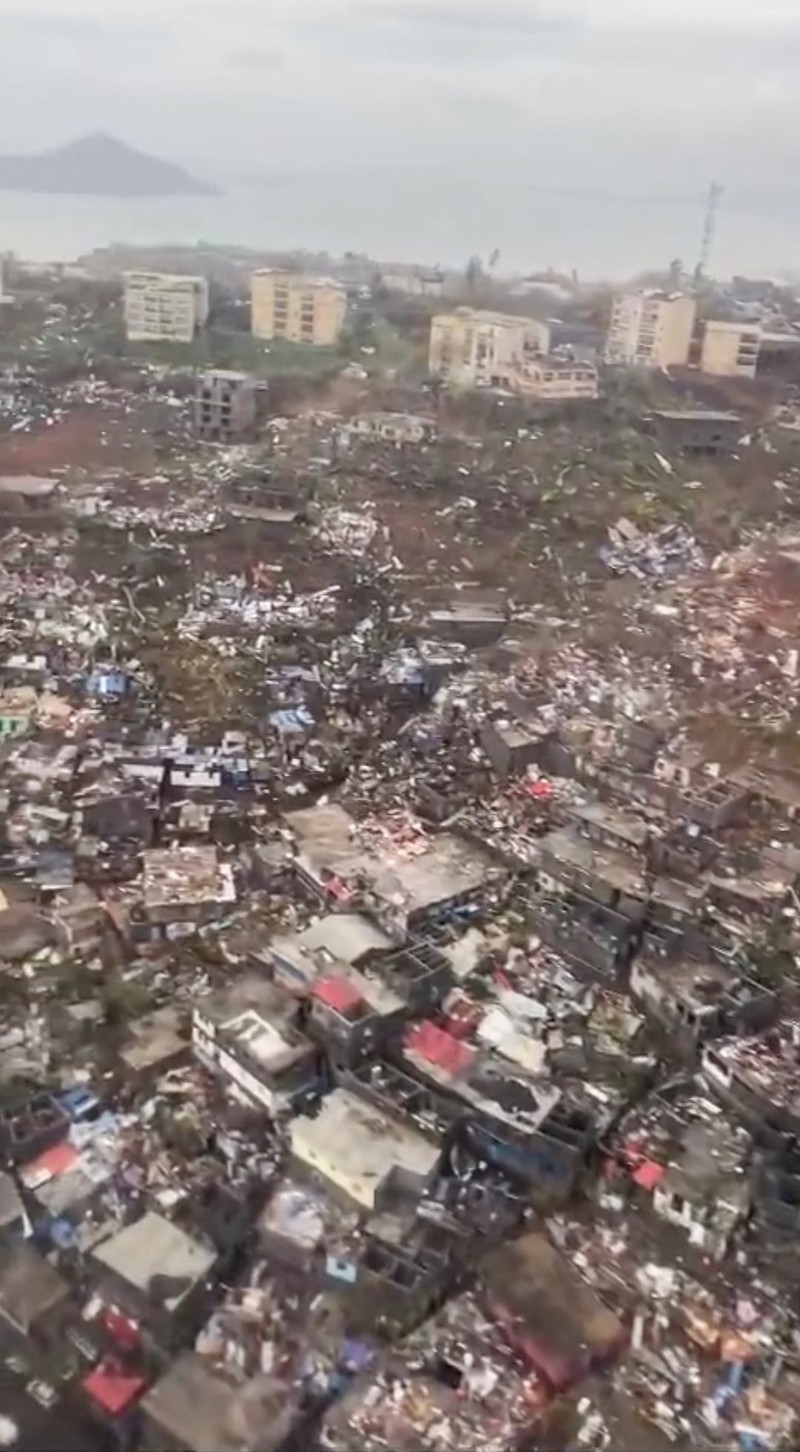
(439,1047)
(338,993)
(112,1389)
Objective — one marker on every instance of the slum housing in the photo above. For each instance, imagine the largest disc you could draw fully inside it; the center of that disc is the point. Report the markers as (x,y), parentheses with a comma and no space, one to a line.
(400,1034)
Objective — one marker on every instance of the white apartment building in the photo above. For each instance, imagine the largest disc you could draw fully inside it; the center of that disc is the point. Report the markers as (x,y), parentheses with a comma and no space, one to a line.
(470,348)
(651,329)
(730,350)
(557,379)
(164,307)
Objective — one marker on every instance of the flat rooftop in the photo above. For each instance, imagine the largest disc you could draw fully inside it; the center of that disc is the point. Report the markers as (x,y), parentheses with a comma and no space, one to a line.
(200,1408)
(533,1281)
(329,841)
(346,937)
(154,1251)
(29,1285)
(612,868)
(481,1078)
(363,1143)
(183,876)
(627,828)
(31,486)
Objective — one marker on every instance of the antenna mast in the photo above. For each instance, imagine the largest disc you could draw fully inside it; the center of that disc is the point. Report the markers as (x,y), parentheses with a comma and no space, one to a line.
(715,192)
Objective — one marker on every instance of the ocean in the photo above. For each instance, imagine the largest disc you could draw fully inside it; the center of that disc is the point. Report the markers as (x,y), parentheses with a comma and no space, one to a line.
(421,216)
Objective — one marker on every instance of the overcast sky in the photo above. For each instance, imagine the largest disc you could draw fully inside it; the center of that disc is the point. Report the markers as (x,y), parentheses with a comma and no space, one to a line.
(639,95)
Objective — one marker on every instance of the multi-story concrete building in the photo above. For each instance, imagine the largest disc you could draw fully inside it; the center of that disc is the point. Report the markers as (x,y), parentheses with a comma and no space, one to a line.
(300,309)
(225,406)
(164,307)
(413,281)
(470,348)
(557,379)
(651,329)
(730,350)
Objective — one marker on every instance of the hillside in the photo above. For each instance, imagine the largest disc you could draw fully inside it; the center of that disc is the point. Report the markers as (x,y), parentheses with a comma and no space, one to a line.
(98,166)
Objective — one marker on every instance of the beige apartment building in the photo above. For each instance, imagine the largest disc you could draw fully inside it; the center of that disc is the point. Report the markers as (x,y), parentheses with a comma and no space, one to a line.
(558,380)
(470,348)
(300,309)
(651,329)
(730,350)
(164,307)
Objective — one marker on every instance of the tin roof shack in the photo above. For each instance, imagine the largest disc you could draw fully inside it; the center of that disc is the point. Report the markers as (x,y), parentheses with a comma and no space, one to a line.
(186,886)
(34,1299)
(362,1153)
(391,428)
(157,1276)
(194,1405)
(27,495)
(759,1078)
(698,433)
(694,1001)
(692,1165)
(550,1316)
(455,1383)
(472,622)
(248,1036)
(225,406)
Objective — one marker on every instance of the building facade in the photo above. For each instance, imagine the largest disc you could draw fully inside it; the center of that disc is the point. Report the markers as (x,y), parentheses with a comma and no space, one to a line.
(730,350)
(650,329)
(470,348)
(300,309)
(225,406)
(554,380)
(164,307)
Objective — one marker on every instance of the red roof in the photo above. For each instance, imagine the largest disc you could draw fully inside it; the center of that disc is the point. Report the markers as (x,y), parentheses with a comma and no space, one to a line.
(113,1390)
(53,1162)
(648,1174)
(337,993)
(439,1047)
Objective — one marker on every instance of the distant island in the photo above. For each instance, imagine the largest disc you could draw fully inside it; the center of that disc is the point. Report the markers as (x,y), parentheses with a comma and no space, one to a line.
(99,166)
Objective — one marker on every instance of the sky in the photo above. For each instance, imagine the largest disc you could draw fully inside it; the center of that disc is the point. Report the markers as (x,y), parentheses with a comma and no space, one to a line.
(633,98)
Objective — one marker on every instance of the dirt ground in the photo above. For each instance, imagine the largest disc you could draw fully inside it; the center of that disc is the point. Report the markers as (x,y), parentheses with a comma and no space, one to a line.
(89,438)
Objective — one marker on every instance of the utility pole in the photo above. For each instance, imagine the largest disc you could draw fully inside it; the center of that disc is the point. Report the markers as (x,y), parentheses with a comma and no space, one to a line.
(715,192)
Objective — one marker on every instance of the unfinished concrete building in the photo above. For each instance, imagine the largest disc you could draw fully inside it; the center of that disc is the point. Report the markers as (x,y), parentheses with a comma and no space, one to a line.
(225,406)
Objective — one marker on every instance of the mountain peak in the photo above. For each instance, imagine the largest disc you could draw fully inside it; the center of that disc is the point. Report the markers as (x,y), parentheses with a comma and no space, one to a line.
(98,165)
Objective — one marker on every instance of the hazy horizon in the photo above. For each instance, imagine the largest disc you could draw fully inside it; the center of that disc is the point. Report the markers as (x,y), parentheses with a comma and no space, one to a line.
(557,115)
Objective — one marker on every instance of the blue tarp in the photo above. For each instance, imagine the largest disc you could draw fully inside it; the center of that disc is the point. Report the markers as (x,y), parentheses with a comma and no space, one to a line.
(292,722)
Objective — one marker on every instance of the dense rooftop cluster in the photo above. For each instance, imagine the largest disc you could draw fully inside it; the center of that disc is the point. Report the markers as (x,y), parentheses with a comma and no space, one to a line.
(398,921)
